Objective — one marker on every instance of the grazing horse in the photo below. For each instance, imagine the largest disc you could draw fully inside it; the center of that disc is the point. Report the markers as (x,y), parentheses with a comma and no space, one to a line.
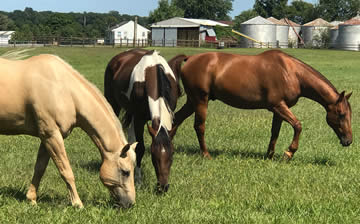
(45,97)
(146,86)
(272,80)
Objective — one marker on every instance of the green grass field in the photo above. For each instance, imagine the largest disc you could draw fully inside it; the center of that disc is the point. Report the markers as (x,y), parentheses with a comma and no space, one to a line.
(320,185)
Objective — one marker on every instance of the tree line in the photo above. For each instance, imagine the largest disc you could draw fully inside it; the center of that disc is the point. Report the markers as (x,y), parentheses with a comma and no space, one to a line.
(30,24)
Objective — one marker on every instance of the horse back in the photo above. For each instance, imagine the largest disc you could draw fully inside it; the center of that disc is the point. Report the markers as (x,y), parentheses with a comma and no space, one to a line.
(243,81)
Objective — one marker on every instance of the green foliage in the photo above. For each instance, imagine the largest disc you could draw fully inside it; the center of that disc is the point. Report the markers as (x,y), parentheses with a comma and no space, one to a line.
(320,185)
(205,9)
(244,16)
(268,8)
(341,10)
(301,12)
(165,11)
(30,24)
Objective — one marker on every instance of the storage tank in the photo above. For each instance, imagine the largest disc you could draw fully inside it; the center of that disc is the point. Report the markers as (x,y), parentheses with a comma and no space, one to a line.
(349,35)
(334,33)
(294,31)
(261,30)
(312,32)
(282,32)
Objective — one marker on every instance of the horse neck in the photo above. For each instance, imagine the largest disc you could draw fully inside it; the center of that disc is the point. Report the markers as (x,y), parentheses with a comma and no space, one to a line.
(96,118)
(316,87)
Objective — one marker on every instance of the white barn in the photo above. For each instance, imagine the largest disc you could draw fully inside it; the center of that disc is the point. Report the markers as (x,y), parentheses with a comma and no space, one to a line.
(123,34)
(5,36)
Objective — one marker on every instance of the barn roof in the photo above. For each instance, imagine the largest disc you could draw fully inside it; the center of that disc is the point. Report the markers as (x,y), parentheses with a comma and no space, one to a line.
(186,22)
(353,21)
(318,22)
(277,22)
(4,33)
(258,20)
(290,21)
(123,23)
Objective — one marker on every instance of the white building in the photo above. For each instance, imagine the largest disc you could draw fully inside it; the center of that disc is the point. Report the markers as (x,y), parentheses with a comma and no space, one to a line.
(5,36)
(123,34)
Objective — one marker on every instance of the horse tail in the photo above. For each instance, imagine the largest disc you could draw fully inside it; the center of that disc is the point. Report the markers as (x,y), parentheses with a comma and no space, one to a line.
(175,65)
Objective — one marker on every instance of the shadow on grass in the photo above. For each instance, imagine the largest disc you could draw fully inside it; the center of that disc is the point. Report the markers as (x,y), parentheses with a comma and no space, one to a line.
(247,154)
(92,166)
(18,194)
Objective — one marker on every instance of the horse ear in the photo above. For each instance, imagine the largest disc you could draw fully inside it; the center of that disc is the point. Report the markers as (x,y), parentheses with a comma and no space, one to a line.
(341,97)
(348,96)
(152,131)
(124,150)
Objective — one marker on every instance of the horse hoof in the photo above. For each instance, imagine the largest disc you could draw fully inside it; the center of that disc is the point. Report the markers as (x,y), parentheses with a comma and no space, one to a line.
(33,202)
(287,156)
(207,156)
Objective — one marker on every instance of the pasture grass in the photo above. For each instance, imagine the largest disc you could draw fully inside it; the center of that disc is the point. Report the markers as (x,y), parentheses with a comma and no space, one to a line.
(320,185)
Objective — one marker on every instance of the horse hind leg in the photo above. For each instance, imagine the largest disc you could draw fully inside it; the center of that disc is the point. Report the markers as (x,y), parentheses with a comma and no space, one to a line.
(199,125)
(284,112)
(39,170)
(275,130)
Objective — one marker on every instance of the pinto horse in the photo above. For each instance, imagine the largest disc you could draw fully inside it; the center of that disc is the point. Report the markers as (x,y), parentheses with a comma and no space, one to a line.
(143,83)
(45,97)
(272,80)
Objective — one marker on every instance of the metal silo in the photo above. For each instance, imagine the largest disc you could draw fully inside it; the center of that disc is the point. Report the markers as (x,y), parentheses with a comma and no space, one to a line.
(294,32)
(334,33)
(261,30)
(349,35)
(282,32)
(313,31)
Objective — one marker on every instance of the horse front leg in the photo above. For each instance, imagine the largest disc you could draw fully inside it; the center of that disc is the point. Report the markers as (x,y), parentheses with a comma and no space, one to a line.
(284,112)
(39,170)
(54,144)
(275,130)
(136,133)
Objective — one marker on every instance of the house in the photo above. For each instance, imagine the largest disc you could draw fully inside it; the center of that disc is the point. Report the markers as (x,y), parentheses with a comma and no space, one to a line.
(183,32)
(5,36)
(123,34)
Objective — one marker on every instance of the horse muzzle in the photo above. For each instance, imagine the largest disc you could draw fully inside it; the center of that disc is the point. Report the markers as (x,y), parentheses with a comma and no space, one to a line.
(346,142)
(162,188)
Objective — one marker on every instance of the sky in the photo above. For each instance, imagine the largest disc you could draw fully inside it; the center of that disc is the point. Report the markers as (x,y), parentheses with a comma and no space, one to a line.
(131,7)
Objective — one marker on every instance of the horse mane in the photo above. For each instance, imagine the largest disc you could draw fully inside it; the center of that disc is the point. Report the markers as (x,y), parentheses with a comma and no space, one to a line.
(314,71)
(162,138)
(96,93)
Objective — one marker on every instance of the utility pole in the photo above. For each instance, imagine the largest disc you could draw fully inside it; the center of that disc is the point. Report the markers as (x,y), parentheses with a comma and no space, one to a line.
(135,31)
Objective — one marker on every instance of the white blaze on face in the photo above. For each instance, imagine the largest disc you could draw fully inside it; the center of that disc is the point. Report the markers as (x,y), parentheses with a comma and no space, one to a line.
(138,73)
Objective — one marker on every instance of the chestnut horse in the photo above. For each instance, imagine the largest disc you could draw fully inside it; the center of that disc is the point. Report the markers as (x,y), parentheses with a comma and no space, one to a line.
(143,83)
(272,80)
(45,97)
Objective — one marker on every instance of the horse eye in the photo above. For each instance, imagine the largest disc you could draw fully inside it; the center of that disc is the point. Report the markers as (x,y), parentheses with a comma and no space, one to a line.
(125,173)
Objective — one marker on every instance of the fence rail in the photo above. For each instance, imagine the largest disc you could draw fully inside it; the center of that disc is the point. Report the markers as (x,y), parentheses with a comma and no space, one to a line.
(95,42)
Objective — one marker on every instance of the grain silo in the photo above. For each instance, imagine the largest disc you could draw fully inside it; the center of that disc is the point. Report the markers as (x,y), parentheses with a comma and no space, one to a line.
(349,35)
(282,32)
(261,30)
(334,33)
(294,32)
(313,31)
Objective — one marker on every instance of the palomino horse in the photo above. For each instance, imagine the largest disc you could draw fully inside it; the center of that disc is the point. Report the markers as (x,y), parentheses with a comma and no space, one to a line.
(143,83)
(272,80)
(45,97)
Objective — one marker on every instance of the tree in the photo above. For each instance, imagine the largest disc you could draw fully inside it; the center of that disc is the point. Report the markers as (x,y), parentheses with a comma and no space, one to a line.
(268,8)
(165,11)
(244,16)
(4,22)
(331,10)
(301,12)
(205,9)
